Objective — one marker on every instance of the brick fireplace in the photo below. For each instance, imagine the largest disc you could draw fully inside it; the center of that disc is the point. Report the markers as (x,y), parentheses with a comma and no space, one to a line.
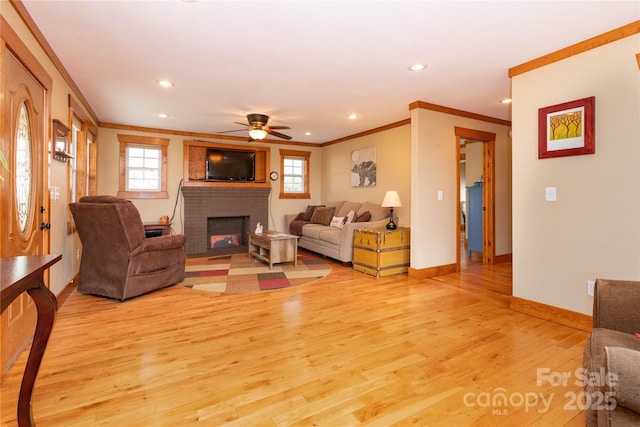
(202,205)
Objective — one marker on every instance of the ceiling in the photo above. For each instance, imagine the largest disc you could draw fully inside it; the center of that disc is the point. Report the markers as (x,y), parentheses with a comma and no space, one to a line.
(307,64)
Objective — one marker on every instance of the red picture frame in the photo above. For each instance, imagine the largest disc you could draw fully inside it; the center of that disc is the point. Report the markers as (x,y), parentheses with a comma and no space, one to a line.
(567,129)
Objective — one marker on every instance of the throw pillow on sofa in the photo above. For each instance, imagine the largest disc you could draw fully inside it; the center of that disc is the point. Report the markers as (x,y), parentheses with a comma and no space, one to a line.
(350,217)
(338,221)
(363,217)
(309,212)
(322,216)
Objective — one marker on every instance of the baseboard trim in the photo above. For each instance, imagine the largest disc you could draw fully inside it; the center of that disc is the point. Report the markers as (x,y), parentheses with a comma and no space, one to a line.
(425,273)
(502,258)
(559,315)
(71,286)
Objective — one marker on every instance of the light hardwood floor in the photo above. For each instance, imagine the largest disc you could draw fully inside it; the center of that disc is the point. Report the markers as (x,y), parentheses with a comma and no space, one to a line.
(347,350)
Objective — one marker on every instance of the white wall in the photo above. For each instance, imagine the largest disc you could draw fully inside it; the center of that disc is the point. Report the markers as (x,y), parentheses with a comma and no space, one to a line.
(593,229)
(463,181)
(393,156)
(433,169)
(474,162)
(281,207)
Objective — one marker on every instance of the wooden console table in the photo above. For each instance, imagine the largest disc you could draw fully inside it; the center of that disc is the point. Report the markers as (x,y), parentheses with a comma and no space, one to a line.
(20,274)
(273,247)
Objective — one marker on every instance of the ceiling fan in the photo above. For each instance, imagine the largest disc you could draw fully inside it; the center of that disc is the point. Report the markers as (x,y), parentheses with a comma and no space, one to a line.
(258,128)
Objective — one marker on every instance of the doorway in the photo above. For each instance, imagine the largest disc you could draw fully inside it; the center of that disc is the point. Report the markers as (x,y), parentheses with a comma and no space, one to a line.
(471,185)
(25,205)
(487,139)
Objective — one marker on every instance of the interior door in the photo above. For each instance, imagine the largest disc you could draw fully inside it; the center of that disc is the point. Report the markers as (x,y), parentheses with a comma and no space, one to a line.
(488,194)
(24,206)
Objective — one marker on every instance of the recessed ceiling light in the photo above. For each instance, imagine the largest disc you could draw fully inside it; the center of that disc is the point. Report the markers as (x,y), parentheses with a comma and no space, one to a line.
(353,116)
(506,101)
(163,115)
(166,83)
(417,67)
(307,133)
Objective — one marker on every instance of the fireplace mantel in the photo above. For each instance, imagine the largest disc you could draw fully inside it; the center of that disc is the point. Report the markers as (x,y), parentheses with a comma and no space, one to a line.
(201,203)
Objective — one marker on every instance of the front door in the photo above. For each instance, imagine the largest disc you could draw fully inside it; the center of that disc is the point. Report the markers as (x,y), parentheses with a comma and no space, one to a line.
(24,206)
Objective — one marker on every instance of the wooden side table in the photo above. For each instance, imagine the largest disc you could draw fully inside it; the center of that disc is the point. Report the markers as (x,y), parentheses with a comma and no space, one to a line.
(381,252)
(273,247)
(17,275)
(157,228)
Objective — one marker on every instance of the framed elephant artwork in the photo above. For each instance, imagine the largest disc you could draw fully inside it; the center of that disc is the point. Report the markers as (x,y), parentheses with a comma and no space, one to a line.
(363,167)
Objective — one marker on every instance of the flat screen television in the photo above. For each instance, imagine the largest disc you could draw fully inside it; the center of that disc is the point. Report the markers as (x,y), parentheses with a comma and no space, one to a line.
(230,165)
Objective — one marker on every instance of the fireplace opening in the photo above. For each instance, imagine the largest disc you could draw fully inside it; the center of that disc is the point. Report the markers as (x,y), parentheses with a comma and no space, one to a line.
(227,235)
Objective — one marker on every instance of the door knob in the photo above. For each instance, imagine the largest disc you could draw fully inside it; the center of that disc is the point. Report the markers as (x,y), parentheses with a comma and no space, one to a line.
(44,225)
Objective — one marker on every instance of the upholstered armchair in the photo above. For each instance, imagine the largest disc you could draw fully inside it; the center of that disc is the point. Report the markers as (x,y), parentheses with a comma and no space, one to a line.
(118,261)
(612,356)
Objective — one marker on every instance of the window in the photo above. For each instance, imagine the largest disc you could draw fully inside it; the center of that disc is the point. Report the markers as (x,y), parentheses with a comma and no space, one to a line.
(77,137)
(294,170)
(23,167)
(92,164)
(82,148)
(143,167)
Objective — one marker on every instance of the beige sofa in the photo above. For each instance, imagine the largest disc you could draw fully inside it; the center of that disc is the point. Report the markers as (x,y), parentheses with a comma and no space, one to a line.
(335,241)
(612,356)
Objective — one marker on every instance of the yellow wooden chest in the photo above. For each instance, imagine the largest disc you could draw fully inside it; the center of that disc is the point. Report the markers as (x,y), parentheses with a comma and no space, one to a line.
(381,252)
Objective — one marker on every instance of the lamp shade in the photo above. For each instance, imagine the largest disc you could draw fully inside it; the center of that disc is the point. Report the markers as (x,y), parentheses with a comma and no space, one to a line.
(391,200)
(257,134)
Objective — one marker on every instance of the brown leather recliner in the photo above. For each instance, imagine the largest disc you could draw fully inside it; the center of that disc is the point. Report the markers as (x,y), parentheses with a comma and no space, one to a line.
(612,356)
(118,261)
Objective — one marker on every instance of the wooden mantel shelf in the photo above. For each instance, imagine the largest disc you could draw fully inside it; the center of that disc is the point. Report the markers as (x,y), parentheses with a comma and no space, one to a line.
(195,153)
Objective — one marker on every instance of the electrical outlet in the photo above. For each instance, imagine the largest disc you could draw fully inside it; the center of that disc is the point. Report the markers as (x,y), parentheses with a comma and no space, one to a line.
(77,253)
(591,287)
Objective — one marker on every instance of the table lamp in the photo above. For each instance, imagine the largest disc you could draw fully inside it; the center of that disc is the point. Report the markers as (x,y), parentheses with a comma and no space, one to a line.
(391,200)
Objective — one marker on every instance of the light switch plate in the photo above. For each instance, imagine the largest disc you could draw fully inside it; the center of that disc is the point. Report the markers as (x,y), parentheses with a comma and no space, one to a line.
(550,194)
(591,287)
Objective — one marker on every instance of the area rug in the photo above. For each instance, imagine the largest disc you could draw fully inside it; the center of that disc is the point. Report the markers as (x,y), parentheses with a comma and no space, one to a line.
(238,273)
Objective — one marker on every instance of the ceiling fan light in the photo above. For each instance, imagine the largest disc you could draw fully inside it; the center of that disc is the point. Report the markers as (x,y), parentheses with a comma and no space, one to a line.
(257,134)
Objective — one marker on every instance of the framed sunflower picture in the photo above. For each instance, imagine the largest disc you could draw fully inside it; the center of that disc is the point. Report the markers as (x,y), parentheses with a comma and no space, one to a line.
(567,129)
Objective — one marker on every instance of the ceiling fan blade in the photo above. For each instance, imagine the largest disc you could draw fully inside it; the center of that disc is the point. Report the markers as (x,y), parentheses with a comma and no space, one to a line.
(279,135)
(243,124)
(279,127)
(229,131)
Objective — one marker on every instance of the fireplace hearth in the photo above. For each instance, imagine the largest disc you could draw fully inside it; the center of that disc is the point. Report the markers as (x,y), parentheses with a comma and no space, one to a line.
(238,210)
